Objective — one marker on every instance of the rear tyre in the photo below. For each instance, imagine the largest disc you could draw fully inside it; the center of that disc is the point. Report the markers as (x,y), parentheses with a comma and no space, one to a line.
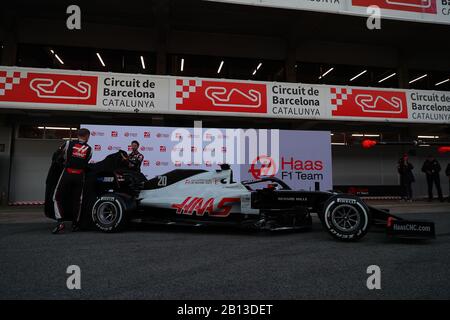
(109,213)
(346,217)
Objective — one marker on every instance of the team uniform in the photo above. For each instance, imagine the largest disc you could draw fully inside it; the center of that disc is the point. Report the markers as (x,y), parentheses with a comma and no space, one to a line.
(135,159)
(432,169)
(76,156)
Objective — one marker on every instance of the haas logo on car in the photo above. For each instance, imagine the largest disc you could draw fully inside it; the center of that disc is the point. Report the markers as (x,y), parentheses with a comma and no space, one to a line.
(425,6)
(365,103)
(21,86)
(201,206)
(220,96)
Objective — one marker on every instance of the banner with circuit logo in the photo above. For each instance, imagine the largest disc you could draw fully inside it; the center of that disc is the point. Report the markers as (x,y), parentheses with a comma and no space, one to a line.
(431,11)
(302,159)
(45,89)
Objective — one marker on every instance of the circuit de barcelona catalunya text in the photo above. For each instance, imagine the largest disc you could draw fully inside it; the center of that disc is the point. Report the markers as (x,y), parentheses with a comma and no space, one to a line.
(114,195)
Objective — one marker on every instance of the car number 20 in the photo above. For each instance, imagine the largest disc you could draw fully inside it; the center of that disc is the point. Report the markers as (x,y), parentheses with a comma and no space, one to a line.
(162,181)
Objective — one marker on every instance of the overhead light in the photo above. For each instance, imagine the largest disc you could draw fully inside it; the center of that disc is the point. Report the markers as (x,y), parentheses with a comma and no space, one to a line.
(182,65)
(259,66)
(56,128)
(332,134)
(388,77)
(327,72)
(424,145)
(417,79)
(439,83)
(428,137)
(52,52)
(142,62)
(59,59)
(338,143)
(371,135)
(358,75)
(254,72)
(100,58)
(220,67)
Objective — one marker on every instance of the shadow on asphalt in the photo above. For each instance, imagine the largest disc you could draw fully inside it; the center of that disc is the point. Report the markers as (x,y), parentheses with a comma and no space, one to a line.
(219,230)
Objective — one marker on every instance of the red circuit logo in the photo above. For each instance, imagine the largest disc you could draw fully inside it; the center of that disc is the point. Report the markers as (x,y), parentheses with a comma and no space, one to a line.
(221,96)
(146,163)
(162,149)
(98,147)
(425,6)
(114,134)
(368,103)
(21,86)
(147,134)
(201,206)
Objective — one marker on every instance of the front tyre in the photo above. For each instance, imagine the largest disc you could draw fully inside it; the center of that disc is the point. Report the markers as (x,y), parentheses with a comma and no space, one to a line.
(346,218)
(109,213)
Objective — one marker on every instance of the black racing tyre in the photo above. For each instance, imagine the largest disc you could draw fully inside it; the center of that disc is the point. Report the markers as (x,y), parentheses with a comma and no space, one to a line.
(346,217)
(109,213)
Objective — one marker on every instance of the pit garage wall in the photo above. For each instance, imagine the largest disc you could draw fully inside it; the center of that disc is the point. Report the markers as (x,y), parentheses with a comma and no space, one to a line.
(5,152)
(31,160)
(378,166)
(351,166)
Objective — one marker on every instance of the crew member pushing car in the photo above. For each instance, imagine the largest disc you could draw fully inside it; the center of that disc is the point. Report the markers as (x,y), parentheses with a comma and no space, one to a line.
(135,158)
(76,155)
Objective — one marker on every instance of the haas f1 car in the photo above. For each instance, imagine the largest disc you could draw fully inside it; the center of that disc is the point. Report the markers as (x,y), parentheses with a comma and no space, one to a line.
(114,195)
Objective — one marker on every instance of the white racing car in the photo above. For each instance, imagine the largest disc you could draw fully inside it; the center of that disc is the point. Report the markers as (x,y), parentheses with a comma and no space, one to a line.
(115,195)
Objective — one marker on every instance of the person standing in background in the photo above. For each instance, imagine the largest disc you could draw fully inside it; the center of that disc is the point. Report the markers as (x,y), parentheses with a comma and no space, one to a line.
(431,168)
(406,177)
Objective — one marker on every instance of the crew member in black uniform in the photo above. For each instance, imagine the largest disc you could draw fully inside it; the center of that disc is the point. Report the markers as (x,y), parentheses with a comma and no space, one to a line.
(432,168)
(76,155)
(135,158)
(406,177)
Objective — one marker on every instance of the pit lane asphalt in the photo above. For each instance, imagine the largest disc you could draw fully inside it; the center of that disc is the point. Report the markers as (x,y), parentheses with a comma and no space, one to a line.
(149,262)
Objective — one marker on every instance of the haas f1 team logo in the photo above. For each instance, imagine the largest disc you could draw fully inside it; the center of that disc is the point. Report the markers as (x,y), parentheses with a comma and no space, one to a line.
(80,151)
(201,207)
(368,103)
(21,86)
(221,96)
(425,6)
(267,167)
